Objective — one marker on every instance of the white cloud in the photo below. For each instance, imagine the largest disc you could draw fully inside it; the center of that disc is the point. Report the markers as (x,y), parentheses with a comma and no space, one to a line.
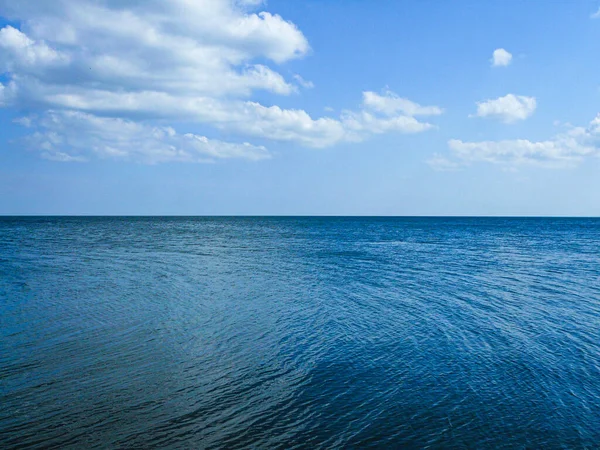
(390,104)
(509,108)
(27,122)
(183,60)
(596,15)
(250,2)
(501,58)
(286,125)
(304,83)
(366,122)
(19,52)
(245,117)
(75,136)
(563,150)
(120,50)
(218,29)
(442,164)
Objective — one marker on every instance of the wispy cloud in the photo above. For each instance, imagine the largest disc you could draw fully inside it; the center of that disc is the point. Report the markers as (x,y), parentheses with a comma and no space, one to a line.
(304,83)
(75,136)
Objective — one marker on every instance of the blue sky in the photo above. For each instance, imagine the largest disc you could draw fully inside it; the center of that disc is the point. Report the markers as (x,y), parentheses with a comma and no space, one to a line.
(289,107)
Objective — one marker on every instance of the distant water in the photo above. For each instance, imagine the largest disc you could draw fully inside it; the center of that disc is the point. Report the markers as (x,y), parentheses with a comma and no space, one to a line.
(299,333)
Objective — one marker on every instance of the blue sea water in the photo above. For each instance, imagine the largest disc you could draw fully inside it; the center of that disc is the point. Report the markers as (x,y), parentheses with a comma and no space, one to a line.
(299,333)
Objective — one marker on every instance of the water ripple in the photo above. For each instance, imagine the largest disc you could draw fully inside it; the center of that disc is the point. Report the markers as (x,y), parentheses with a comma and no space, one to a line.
(299,333)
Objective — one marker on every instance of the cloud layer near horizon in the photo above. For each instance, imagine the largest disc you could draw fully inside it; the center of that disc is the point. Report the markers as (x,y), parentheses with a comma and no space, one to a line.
(561,151)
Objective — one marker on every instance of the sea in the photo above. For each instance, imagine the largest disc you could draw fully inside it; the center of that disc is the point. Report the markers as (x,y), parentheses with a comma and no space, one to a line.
(299,332)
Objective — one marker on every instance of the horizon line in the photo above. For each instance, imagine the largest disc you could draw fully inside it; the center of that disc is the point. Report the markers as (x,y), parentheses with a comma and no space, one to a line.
(407,216)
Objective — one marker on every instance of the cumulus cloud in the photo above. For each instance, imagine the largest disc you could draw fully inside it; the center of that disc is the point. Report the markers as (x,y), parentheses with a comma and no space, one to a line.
(175,46)
(596,15)
(563,150)
(509,108)
(245,117)
(501,58)
(75,136)
(19,52)
(179,61)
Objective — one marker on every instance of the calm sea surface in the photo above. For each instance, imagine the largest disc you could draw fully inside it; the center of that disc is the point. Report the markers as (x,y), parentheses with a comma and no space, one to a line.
(299,333)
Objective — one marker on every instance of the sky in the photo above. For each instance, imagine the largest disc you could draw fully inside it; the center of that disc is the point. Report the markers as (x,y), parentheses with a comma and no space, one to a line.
(313,107)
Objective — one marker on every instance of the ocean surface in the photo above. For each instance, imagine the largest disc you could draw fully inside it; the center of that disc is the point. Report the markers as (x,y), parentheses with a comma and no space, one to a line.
(299,333)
